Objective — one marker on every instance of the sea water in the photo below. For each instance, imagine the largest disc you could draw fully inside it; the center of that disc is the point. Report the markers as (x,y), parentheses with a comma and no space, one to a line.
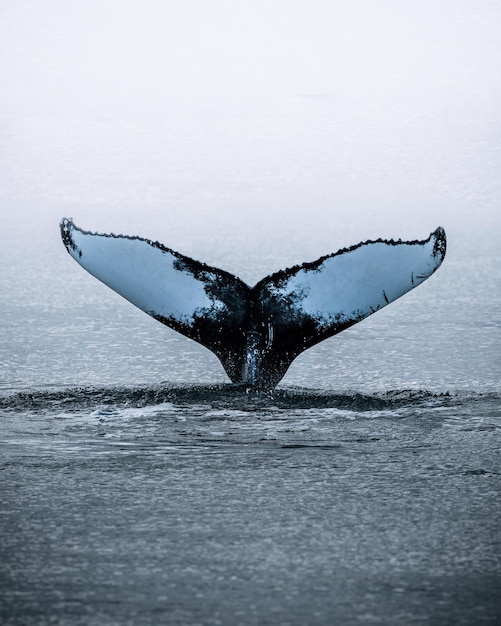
(139,487)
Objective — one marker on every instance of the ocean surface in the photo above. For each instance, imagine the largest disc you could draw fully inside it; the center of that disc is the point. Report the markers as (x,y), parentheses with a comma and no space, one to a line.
(138,486)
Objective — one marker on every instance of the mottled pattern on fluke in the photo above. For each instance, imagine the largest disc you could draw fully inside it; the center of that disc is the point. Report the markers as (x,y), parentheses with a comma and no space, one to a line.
(256,332)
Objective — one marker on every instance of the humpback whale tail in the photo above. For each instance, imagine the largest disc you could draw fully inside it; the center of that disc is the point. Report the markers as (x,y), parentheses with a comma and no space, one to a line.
(256,332)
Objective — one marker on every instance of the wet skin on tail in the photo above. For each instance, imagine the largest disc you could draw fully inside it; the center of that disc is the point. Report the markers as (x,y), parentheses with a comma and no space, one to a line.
(256,332)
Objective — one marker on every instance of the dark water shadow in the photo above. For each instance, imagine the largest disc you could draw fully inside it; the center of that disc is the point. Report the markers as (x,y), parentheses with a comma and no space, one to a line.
(234,397)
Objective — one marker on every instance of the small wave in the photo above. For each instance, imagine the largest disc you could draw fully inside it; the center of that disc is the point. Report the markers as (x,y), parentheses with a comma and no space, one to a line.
(235,398)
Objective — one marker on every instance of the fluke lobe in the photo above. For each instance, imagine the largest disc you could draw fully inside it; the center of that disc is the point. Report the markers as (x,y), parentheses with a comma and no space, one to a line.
(256,332)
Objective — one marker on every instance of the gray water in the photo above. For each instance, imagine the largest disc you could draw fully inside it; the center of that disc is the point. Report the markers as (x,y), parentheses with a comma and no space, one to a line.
(187,505)
(364,490)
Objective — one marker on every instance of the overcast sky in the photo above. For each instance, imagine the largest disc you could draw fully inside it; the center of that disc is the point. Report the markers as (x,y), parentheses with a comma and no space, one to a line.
(92,52)
(218,112)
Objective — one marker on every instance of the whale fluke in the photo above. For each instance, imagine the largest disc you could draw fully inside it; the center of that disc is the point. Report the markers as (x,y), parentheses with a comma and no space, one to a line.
(256,332)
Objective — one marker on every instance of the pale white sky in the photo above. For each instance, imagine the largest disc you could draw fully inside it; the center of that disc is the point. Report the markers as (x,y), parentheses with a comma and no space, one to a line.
(93,52)
(310,114)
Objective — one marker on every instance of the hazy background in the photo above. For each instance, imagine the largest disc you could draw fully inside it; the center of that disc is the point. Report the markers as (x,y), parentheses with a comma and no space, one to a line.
(251,135)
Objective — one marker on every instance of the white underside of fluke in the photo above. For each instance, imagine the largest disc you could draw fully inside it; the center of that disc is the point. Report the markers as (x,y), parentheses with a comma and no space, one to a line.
(145,275)
(353,284)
